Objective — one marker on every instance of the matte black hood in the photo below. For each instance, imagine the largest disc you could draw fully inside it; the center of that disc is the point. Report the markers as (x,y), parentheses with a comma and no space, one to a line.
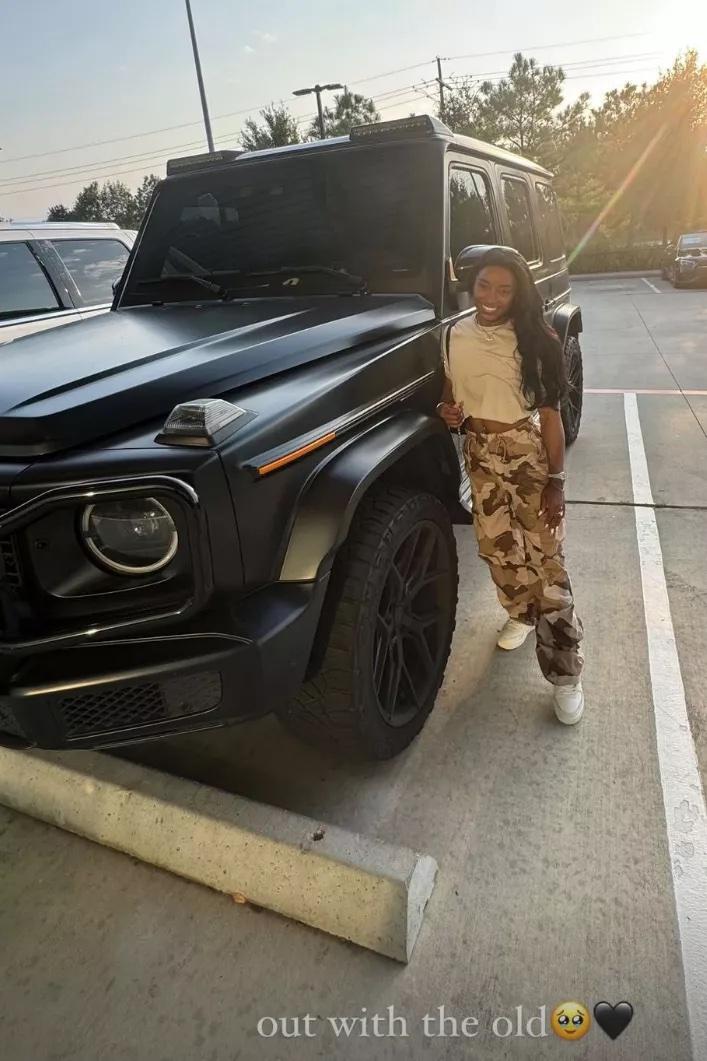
(68,386)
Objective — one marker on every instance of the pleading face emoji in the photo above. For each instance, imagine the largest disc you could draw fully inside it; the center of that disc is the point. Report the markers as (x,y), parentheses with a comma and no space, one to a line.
(570,1020)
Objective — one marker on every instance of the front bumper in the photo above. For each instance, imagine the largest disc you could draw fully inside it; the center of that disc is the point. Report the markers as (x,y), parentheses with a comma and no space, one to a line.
(694,275)
(131,690)
(188,658)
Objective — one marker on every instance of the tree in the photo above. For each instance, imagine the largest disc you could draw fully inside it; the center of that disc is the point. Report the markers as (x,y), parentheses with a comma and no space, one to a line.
(113,202)
(650,152)
(142,197)
(520,111)
(278,129)
(459,110)
(59,213)
(116,204)
(88,206)
(350,108)
(668,189)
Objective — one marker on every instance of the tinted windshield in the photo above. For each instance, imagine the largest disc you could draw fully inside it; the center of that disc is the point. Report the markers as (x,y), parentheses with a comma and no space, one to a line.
(370,211)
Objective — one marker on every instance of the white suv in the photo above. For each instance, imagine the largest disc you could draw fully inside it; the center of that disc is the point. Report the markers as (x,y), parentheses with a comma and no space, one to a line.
(53,273)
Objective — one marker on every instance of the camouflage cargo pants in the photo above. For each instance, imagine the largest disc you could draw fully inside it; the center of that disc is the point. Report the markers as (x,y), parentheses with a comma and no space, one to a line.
(508,471)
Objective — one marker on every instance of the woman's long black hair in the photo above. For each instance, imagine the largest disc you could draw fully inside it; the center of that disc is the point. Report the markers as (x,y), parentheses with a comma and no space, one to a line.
(543,375)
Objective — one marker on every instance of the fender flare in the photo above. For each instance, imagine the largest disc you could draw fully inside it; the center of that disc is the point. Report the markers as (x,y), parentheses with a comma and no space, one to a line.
(567,320)
(331,496)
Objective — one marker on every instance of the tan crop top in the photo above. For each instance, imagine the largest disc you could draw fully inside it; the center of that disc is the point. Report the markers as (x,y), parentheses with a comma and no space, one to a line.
(484,369)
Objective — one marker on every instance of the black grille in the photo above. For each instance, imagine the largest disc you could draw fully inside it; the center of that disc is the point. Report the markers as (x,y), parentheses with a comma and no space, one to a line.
(134,705)
(117,709)
(10,571)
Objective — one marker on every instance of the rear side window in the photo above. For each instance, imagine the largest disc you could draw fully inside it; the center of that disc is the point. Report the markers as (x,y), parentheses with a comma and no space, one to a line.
(470,212)
(24,289)
(517,199)
(550,223)
(93,264)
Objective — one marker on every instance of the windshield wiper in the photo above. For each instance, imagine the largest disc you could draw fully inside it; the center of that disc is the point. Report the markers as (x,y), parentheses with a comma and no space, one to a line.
(194,278)
(235,279)
(358,283)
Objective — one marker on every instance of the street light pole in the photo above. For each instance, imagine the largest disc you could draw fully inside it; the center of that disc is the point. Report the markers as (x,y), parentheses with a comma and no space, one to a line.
(318,89)
(200,79)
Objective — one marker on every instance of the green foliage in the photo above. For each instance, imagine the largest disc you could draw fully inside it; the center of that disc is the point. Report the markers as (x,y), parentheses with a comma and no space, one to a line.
(112,202)
(629,174)
(459,112)
(59,213)
(350,108)
(616,259)
(632,170)
(278,129)
(520,110)
(142,197)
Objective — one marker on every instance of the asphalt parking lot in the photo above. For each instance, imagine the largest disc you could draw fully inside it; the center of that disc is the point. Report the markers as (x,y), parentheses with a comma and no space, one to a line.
(561,871)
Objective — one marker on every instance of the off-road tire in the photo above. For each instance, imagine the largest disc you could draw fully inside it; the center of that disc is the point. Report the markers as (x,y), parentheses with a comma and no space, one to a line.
(339,707)
(572,405)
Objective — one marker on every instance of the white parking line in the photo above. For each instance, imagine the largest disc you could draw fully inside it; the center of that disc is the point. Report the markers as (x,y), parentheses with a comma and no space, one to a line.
(637,390)
(683,798)
(651,286)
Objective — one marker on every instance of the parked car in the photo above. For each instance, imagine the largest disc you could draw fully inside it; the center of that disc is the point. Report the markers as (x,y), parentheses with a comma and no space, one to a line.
(232,494)
(685,262)
(57,272)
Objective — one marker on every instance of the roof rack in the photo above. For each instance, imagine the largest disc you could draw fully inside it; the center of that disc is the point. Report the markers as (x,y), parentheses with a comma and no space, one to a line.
(59,224)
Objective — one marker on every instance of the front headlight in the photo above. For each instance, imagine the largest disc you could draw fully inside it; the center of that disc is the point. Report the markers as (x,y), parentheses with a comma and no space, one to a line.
(131,537)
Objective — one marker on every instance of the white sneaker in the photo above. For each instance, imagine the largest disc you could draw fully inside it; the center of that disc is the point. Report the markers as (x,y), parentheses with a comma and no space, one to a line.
(569,703)
(513,634)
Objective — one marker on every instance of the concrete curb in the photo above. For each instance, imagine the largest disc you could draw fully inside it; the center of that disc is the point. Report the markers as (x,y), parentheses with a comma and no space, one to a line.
(363,890)
(631,275)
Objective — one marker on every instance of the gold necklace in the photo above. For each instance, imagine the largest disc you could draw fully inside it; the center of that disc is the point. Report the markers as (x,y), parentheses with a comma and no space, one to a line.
(488,331)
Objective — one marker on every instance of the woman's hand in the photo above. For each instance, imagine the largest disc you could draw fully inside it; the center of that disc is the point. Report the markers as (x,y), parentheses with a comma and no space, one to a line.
(451,413)
(552,505)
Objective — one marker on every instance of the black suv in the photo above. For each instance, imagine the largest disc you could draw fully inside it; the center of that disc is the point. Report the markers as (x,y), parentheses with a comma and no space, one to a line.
(231,494)
(685,262)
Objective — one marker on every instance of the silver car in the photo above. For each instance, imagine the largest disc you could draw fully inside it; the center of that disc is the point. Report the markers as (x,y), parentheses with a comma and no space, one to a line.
(52,273)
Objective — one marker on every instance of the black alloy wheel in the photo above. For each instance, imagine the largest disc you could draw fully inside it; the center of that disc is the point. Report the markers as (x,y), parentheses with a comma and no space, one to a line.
(386,629)
(572,406)
(411,624)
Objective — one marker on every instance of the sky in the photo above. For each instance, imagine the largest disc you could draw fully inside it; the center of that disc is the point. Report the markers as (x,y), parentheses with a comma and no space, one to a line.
(106,89)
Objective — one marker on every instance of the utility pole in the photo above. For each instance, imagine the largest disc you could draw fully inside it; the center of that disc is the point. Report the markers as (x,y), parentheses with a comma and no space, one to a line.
(199,78)
(318,89)
(441,89)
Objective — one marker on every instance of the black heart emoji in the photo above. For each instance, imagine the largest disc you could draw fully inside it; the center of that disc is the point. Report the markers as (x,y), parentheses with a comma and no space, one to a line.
(613,1019)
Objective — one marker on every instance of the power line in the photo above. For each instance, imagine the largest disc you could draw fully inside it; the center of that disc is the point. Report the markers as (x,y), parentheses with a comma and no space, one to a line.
(146,156)
(579,67)
(543,47)
(87,177)
(158,156)
(251,110)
